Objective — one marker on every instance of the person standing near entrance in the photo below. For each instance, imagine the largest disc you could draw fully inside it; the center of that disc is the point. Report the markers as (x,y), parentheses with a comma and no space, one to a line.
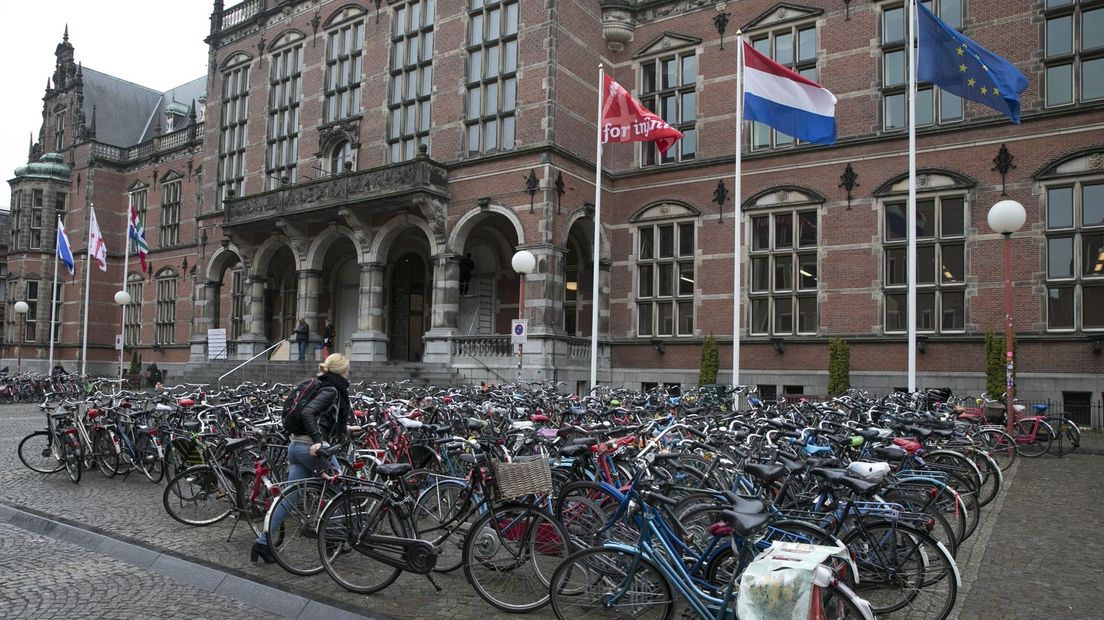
(327,339)
(467,266)
(302,332)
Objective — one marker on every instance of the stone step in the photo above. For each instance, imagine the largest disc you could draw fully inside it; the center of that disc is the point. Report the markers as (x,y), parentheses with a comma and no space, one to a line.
(208,373)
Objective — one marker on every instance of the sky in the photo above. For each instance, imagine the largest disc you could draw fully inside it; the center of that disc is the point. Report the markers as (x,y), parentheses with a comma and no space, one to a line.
(155,43)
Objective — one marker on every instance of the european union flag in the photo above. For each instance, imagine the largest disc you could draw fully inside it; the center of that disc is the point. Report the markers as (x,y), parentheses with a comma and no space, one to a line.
(953,62)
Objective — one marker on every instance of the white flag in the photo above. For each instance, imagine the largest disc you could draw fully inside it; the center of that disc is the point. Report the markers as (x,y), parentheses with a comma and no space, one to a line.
(96,247)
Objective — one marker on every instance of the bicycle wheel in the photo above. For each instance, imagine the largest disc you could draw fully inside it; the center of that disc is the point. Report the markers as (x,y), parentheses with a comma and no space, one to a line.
(837,601)
(510,555)
(439,514)
(586,510)
(254,500)
(997,444)
(1032,446)
(902,567)
(72,454)
(103,451)
(610,583)
(148,456)
(196,497)
(295,542)
(992,478)
(949,520)
(1067,437)
(35,451)
(344,544)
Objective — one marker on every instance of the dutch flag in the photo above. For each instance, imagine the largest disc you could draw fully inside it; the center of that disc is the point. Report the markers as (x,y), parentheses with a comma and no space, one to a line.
(783,99)
(64,250)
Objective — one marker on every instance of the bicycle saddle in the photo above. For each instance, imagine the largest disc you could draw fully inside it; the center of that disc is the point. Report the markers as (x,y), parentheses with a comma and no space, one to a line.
(767,472)
(742,523)
(394,470)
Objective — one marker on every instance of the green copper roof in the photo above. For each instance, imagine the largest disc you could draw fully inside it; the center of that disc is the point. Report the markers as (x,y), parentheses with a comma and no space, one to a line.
(49,166)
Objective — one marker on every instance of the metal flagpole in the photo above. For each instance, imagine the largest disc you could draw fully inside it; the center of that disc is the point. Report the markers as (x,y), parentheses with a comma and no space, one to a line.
(53,295)
(737,214)
(595,256)
(87,284)
(122,308)
(910,220)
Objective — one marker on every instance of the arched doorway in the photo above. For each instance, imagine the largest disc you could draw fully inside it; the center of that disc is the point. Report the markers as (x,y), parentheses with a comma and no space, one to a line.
(280,296)
(407,308)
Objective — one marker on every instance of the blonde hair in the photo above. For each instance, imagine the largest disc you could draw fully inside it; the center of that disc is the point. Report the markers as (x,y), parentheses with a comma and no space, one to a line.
(335,363)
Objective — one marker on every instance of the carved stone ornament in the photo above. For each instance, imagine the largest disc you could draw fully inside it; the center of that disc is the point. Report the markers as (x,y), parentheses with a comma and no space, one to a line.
(348,129)
(923,180)
(783,196)
(1095,161)
(617,28)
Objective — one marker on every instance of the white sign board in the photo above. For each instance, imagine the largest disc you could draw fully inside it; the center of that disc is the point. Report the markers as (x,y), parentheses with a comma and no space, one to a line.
(216,344)
(118,342)
(519,331)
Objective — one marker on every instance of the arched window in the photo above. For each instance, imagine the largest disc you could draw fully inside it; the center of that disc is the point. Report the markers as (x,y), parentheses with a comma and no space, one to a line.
(339,154)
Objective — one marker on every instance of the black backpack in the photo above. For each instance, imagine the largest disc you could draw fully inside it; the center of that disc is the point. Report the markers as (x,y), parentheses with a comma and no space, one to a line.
(297,399)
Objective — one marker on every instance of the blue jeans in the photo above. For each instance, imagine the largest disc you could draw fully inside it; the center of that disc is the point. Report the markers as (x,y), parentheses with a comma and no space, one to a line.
(302,350)
(300,465)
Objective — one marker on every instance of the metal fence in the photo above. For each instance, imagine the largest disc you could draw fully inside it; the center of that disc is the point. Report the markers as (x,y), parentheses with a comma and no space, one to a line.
(1086,415)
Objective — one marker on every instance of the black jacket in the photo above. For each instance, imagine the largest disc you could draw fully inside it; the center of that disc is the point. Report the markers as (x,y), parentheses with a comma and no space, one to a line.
(302,332)
(326,416)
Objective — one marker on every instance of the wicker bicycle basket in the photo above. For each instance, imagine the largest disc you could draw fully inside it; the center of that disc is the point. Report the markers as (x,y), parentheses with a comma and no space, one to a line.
(523,476)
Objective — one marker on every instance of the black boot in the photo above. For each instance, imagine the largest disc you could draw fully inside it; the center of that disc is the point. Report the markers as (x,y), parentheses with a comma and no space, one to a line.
(262,552)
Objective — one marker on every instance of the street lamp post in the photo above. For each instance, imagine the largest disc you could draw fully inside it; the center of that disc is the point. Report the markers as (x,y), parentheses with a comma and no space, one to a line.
(122,298)
(523,263)
(1006,217)
(21,309)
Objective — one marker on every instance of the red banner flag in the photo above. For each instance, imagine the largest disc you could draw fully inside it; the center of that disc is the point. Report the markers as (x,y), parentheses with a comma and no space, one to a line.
(625,120)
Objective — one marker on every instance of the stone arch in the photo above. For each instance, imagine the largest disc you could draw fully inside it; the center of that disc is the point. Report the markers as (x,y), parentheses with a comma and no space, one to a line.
(393,228)
(344,13)
(469,220)
(264,253)
(928,179)
(789,195)
(316,253)
(1082,161)
(286,37)
(235,59)
(587,213)
(222,259)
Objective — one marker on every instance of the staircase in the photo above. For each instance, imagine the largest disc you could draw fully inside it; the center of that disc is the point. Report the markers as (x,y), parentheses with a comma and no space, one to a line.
(476,310)
(208,372)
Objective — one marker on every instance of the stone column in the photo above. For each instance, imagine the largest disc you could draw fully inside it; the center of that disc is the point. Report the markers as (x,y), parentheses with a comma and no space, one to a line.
(205,307)
(306,299)
(445,309)
(253,341)
(369,341)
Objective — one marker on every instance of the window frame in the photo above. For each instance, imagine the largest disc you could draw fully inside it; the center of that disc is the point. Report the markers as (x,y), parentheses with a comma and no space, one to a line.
(342,92)
(1075,58)
(233,132)
(132,312)
(169,226)
(165,323)
(409,114)
(940,287)
(651,99)
(674,297)
(774,250)
(285,95)
(503,83)
(1076,231)
(940,99)
(797,63)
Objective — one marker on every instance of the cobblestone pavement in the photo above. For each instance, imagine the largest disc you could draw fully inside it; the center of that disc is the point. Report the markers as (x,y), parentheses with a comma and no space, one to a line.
(47,578)
(1036,553)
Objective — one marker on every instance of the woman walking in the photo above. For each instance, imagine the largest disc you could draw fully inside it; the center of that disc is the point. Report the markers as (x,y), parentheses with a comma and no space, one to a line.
(320,421)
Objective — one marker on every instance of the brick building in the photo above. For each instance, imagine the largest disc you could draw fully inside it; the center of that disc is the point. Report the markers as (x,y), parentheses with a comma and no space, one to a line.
(353,152)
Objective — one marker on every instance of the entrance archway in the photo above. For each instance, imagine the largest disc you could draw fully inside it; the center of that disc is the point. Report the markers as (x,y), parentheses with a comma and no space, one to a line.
(407,308)
(346,304)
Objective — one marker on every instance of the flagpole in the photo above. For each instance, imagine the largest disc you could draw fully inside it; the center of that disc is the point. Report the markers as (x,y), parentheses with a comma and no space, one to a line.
(594,276)
(122,308)
(87,284)
(53,295)
(737,215)
(910,222)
